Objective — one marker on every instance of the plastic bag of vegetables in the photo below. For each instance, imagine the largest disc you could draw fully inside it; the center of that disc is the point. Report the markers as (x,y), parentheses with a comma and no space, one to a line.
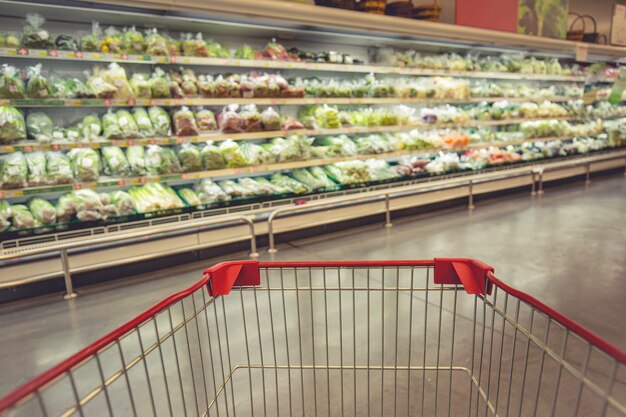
(257,188)
(88,205)
(66,43)
(91,126)
(58,168)
(132,41)
(195,46)
(122,202)
(185,122)
(188,86)
(36,162)
(39,127)
(34,35)
(13,170)
(5,215)
(127,124)
(304,176)
(160,160)
(110,126)
(9,40)
(256,154)
(135,155)
(141,85)
(37,86)
(79,89)
(21,217)
(231,152)
(206,86)
(12,126)
(205,120)
(234,189)
(154,196)
(116,76)
(160,121)
(112,42)
(189,157)
(155,43)
(209,192)
(229,120)
(244,52)
(251,118)
(42,210)
(85,164)
(174,47)
(159,84)
(91,42)
(289,183)
(217,50)
(11,85)
(190,197)
(212,157)
(270,119)
(100,88)
(144,124)
(66,207)
(114,162)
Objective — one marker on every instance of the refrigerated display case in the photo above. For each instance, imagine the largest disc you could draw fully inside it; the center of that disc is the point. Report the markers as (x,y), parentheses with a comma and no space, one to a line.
(117,117)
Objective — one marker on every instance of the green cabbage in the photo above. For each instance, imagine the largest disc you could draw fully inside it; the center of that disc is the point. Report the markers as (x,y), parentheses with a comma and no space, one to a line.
(21,218)
(211,156)
(127,124)
(13,170)
(160,121)
(143,122)
(12,126)
(42,210)
(122,201)
(36,162)
(66,207)
(189,157)
(59,168)
(39,127)
(136,158)
(231,152)
(208,192)
(85,164)
(114,162)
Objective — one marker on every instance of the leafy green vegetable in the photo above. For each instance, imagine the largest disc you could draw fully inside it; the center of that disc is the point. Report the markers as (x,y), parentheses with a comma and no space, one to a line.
(21,218)
(154,196)
(12,126)
(189,196)
(141,85)
(211,156)
(66,43)
(37,86)
(91,126)
(159,84)
(42,210)
(13,170)
(158,160)
(289,183)
(122,201)
(59,168)
(36,162)
(189,157)
(143,122)
(244,52)
(85,164)
(115,162)
(11,85)
(160,121)
(136,158)
(33,35)
(208,192)
(92,41)
(39,127)
(5,215)
(231,152)
(110,125)
(132,41)
(66,207)
(127,124)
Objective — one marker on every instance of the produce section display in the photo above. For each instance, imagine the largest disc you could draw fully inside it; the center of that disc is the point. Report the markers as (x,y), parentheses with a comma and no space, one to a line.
(154,122)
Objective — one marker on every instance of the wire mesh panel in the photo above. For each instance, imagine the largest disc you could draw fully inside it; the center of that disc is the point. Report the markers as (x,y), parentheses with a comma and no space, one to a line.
(313,340)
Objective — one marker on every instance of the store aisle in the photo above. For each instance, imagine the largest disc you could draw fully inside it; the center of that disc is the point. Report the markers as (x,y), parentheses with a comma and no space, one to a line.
(566,248)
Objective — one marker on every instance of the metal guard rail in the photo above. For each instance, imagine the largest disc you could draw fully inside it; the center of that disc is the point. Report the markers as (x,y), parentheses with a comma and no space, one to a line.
(535,172)
(64,247)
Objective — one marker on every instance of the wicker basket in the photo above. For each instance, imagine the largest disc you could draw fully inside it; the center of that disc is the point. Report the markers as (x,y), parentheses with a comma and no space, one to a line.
(374,6)
(400,9)
(576,34)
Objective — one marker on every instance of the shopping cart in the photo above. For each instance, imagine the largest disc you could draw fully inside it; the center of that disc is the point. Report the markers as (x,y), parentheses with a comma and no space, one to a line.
(366,338)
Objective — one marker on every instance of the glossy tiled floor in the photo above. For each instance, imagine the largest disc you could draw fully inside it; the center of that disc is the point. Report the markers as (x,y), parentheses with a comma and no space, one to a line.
(566,248)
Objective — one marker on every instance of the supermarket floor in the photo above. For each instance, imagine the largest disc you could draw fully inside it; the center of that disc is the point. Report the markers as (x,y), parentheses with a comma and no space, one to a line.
(567,248)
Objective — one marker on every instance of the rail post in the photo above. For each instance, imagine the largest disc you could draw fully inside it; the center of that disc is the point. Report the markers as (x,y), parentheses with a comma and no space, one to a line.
(69,285)
(388,223)
(470,203)
(587,173)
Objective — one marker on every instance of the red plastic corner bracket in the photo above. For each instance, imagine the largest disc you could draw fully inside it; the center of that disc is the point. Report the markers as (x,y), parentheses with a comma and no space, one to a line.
(470,273)
(226,275)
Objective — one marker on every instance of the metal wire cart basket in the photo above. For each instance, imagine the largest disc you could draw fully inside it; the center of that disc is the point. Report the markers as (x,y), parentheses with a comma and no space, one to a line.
(441,337)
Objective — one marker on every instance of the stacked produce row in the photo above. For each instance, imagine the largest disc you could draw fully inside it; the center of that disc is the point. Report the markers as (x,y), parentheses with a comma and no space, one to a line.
(166,139)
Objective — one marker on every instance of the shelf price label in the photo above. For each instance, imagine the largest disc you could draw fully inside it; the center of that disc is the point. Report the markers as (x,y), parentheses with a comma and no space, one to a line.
(131,102)
(79,54)
(121,182)
(172,59)
(77,186)
(124,57)
(107,102)
(22,52)
(180,140)
(53,53)
(143,180)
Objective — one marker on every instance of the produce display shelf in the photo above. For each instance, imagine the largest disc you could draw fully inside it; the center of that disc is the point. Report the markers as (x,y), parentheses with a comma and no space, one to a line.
(272,64)
(107,182)
(32,146)
(174,102)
